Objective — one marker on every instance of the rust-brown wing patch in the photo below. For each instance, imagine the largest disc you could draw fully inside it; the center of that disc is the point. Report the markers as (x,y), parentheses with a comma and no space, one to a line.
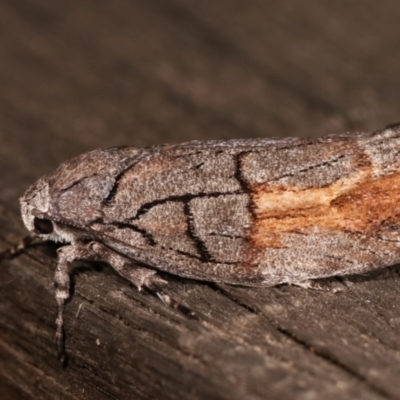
(360,203)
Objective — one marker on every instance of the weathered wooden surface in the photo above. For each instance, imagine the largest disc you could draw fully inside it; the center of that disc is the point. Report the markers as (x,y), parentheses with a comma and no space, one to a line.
(78,75)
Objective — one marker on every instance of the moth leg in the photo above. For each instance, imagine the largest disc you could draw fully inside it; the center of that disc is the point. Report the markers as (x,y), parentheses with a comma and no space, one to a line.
(94,251)
(326,285)
(170,301)
(66,255)
(140,277)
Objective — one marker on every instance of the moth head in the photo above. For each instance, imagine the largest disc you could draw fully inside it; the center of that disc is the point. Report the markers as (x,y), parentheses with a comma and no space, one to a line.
(60,206)
(34,206)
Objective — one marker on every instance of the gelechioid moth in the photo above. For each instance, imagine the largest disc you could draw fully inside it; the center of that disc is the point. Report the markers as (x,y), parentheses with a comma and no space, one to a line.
(251,212)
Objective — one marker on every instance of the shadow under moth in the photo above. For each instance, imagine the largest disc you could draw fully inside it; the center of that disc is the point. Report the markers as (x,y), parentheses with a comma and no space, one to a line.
(257,212)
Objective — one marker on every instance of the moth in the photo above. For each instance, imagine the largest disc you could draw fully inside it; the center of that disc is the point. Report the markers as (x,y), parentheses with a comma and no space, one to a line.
(257,212)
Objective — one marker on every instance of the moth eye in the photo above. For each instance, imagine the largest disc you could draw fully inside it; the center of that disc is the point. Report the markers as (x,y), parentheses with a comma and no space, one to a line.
(43,226)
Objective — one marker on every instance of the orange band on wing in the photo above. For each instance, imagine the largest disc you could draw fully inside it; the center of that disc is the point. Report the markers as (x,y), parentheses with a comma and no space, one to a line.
(353,204)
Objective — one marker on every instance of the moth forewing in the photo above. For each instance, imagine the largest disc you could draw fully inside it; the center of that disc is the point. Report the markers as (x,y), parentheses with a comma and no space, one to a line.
(252,212)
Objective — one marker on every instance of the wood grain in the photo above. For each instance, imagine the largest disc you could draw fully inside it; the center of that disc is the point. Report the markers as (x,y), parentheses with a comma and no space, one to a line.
(80,75)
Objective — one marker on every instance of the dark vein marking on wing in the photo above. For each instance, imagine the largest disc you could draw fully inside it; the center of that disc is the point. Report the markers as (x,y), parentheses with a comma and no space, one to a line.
(226,235)
(148,236)
(309,168)
(184,253)
(144,208)
(205,256)
(109,199)
(77,182)
(242,182)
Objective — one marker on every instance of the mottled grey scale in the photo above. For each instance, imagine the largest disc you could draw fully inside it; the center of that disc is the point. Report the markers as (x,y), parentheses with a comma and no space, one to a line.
(164,175)
(384,151)
(300,168)
(113,161)
(124,234)
(79,205)
(222,223)
(322,254)
(168,225)
(69,191)
(252,212)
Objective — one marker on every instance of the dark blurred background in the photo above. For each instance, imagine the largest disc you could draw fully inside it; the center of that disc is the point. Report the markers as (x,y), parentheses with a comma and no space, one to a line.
(79,75)
(82,74)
